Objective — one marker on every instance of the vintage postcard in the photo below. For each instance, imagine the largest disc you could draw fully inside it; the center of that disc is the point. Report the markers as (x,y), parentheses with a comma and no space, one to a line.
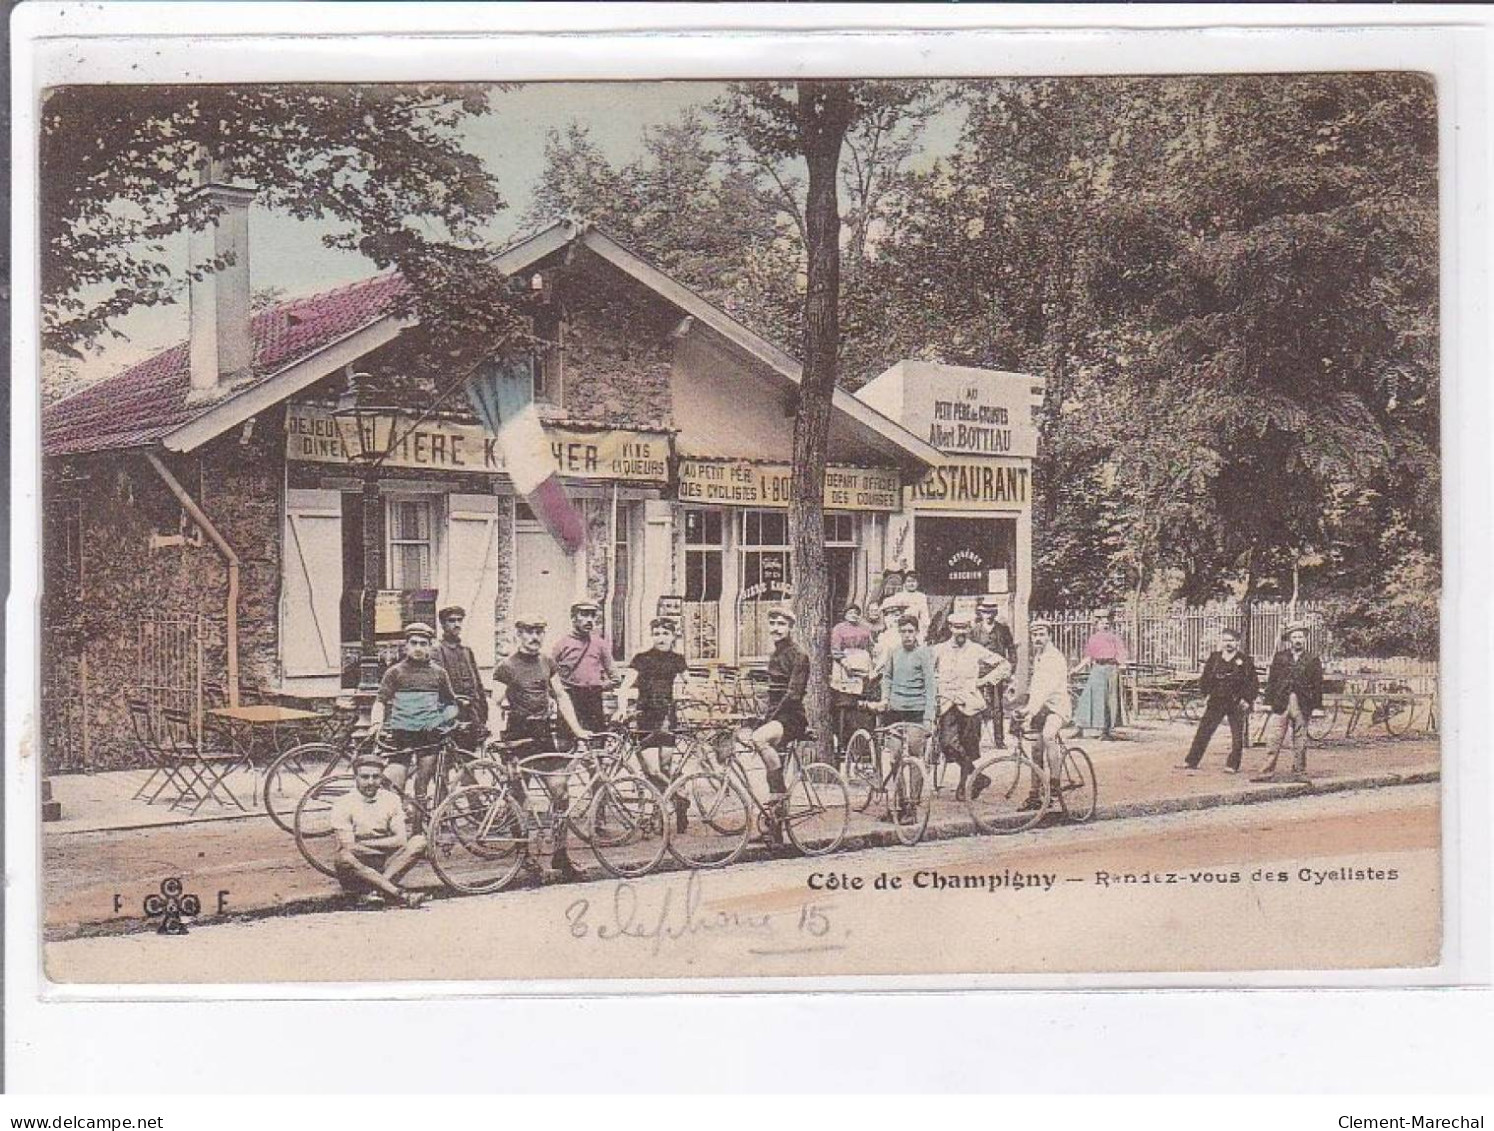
(630,531)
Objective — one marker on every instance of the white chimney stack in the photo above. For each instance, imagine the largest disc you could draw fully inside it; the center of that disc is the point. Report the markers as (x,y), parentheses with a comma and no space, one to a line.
(221,346)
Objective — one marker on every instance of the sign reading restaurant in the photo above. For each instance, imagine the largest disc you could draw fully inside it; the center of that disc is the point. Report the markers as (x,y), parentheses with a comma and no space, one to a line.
(313,434)
(745,484)
(961,484)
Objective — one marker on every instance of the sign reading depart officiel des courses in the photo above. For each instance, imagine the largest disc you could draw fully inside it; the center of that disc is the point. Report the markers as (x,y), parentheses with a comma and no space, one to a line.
(743,484)
(315,435)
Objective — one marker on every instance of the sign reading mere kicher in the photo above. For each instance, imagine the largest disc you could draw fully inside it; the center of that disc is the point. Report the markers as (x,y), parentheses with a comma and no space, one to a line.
(746,484)
(976,484)
(315,435)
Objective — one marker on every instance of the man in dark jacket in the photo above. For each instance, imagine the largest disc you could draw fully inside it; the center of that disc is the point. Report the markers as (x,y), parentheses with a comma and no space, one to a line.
(990,632)
(1294,690)
(1229,682)
(461,666)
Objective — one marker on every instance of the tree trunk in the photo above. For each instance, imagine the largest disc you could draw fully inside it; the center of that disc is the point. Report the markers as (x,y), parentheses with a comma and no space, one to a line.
(824,115)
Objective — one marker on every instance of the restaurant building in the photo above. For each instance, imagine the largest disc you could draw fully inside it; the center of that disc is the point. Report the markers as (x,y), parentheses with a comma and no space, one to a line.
(203,518)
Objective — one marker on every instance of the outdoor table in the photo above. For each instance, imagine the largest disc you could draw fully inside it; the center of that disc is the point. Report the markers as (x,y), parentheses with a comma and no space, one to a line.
(245,724)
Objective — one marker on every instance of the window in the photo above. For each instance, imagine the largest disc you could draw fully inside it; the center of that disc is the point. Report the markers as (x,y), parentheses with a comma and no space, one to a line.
(703,555)
(549,354)
(705,558)
(840,560)
(409,548)
(765,549)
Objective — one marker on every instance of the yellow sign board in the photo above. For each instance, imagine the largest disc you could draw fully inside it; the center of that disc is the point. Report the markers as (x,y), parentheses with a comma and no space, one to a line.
(974,484)
(744,484)
(314,435)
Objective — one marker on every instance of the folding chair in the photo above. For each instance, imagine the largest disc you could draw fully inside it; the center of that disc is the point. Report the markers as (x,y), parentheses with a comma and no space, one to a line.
(207,768)
(163,761)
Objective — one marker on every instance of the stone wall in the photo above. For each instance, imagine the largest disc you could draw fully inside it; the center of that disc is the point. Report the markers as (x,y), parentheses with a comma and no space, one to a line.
(143,562)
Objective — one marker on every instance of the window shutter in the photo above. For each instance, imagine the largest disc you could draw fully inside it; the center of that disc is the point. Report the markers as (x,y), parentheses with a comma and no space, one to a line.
(310,632)
(473,574)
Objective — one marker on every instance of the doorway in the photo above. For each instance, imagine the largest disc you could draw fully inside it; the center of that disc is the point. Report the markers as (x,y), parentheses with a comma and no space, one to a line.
(545,578)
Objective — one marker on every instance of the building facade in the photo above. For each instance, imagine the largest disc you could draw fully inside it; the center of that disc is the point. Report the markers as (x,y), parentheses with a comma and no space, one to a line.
(204,514)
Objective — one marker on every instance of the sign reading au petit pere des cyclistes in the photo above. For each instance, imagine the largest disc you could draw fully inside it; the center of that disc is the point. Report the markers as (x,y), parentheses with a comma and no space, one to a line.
(768,484)
(315,435)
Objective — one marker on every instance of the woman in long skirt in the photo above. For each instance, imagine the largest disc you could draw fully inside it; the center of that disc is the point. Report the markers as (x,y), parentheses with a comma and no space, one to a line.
(1099,705)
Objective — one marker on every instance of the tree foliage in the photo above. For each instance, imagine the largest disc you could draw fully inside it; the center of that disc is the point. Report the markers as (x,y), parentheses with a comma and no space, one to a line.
(383,167)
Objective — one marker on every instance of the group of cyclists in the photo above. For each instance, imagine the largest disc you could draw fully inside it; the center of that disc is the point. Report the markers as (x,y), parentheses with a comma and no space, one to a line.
(552,698)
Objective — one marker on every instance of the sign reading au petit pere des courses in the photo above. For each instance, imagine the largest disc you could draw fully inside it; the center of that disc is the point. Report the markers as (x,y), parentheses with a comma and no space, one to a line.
(315,435)
(743,484)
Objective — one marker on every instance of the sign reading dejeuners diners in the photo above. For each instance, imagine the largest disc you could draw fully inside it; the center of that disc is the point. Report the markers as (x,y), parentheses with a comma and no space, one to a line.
(745,484)
(315,435)
(974,484)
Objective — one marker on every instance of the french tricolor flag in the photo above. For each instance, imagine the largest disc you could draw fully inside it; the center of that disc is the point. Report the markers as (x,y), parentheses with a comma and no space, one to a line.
(503,398)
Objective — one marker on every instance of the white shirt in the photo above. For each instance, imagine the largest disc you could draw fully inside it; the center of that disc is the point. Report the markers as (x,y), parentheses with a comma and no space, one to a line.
(960,669)
(360,818)
(1048,685)
(912,604)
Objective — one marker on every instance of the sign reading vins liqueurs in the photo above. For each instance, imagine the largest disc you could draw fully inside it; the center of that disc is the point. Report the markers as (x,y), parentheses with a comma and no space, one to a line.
(746,484)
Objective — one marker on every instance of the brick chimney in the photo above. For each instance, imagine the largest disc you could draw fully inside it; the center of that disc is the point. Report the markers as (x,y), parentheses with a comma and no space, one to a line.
(221,346)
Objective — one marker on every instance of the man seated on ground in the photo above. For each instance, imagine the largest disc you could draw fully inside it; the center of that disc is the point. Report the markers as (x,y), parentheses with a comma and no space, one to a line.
(528,683)
(788,676)
(909,687)
(963,670)
(374,847)
(415,706)
(1050,706)
(655,671)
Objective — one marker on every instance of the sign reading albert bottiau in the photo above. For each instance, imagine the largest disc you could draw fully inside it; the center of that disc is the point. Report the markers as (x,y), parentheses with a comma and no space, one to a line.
(314,435)
(214,581)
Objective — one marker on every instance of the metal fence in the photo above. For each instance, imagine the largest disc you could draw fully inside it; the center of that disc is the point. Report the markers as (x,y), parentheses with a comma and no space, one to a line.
(170,666)
(1182,636)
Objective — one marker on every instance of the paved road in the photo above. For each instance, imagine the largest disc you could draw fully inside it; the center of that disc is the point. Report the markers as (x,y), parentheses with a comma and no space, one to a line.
(95,881)
(1343,880)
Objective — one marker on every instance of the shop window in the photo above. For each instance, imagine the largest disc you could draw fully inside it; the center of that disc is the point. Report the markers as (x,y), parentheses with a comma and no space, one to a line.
(705,556)
(840,560)
(409,548)
(765,549)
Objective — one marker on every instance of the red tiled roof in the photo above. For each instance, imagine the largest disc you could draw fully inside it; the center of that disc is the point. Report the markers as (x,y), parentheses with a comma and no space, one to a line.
(149,400)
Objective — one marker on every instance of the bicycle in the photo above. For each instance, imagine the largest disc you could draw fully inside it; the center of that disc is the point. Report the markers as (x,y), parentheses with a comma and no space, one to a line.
(901,787)
(1019,793)
(724,809)
(312,824)
(482,835)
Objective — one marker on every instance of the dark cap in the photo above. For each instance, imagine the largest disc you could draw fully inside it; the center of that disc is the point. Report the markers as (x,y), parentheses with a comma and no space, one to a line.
(452,611)
(585,607)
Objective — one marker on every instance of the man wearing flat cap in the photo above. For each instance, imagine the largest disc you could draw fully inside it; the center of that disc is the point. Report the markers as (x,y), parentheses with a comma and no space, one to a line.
(1294,690)
(788,678)
(460,663)
(414,707)
(374,847)
(963,670)
(989,631)
(584,657)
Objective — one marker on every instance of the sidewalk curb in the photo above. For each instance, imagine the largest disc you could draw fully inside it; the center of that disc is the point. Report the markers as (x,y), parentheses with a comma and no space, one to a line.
(876,838)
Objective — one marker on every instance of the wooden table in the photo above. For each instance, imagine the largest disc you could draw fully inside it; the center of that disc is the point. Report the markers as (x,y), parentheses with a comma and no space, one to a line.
(247,723)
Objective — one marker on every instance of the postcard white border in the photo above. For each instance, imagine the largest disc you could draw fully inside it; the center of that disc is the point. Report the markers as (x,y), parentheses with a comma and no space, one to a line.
(59,43)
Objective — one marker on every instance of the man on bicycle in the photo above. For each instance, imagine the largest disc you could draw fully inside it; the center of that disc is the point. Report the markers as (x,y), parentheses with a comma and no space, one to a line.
(529,682)
(414,709)
(788,676)
(963,670)
(374,847)
(1050,706)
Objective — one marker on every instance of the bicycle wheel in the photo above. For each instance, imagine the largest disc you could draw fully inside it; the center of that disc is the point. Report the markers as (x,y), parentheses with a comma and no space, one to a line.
(1320,722)
(861,769)
(629,835)
(1078,790)
(312,823)
(909,802)
(291,774)
(718,819)
(817,810)
(478,840)
(1397,712)
(1015,798)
